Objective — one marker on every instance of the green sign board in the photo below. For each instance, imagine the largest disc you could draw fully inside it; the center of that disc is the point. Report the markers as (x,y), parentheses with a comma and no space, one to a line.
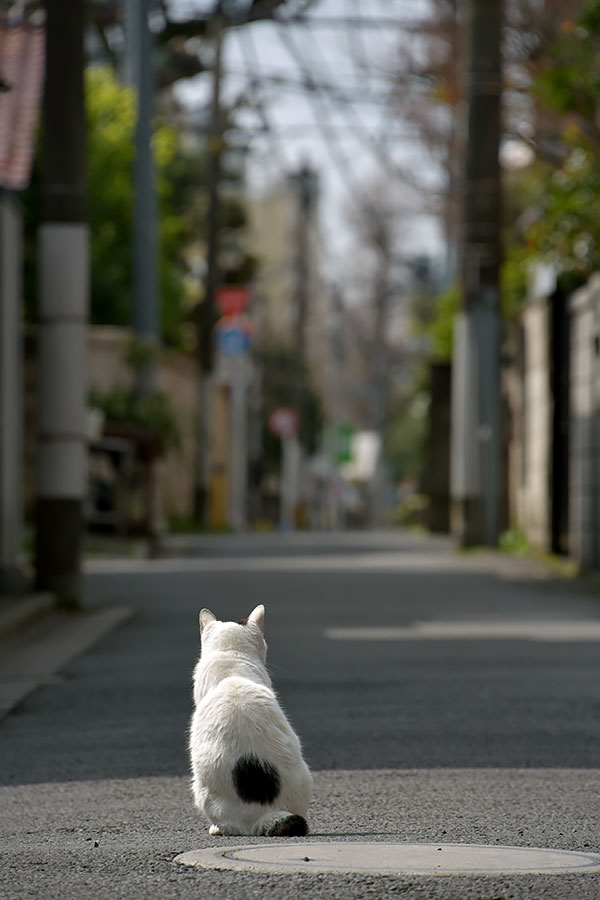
(343,443)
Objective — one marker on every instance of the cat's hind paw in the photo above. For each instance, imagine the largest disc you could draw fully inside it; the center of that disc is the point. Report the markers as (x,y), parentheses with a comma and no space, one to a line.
(215,831)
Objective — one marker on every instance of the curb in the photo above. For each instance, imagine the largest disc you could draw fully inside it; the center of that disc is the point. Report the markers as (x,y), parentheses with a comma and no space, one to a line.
(19,611)
(49,645)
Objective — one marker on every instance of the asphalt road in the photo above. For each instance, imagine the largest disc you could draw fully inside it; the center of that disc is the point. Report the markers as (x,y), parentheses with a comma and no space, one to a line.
(450,739)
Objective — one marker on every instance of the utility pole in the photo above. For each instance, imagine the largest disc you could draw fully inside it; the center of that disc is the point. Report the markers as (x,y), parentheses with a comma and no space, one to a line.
(454,159)
(475,465)
(63,306)
(139,71)
(305,183)
(11,393)
(379,388)
(206,309)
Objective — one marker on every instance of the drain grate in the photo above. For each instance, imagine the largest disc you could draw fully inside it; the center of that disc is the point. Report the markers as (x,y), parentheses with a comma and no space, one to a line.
(393,859)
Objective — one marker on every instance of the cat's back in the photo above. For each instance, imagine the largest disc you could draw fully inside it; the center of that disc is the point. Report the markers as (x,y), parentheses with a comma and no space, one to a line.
(238,710)
(236,694)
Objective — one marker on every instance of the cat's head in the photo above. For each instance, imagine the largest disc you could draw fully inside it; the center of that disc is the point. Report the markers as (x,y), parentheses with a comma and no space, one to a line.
(245,636)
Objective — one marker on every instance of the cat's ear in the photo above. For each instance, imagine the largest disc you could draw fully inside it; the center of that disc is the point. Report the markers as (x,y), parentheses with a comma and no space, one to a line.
(206,616)
(258,617)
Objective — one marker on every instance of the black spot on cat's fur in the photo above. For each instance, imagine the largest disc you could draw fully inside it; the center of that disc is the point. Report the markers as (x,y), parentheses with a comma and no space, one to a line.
(242,622)
(255,781)
(290,826)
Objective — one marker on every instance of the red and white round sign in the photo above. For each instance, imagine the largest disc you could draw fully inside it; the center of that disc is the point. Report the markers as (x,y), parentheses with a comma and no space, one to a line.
(284,422)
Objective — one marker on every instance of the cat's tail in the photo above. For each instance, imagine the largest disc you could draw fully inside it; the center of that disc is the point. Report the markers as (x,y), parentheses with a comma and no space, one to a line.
(281,824)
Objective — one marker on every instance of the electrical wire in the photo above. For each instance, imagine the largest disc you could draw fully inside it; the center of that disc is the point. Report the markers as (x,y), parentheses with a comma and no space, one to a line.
(250,57)
(377,149)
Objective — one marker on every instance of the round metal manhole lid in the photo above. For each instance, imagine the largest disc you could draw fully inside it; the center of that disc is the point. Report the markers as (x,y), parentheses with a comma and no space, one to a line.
(393,859)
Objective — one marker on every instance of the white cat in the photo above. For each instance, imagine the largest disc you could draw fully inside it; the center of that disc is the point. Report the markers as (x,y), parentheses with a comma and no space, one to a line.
(249,776)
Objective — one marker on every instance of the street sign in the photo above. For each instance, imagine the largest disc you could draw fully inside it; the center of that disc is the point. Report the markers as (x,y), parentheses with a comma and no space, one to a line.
(344,436)
(232,335)
(284,422)
(233,299)
(233,342)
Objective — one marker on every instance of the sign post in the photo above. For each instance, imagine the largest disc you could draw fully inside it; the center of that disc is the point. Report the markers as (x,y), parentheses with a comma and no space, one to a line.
(284,422)
(233,334)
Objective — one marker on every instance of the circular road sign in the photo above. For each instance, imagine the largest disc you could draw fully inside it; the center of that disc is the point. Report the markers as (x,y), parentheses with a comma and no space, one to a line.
(284,422)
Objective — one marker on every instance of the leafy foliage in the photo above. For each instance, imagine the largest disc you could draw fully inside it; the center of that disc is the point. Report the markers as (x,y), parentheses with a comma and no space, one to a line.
(181,198)
(405,435)
(183,44)
(152,413)
(111,112)
(562,213)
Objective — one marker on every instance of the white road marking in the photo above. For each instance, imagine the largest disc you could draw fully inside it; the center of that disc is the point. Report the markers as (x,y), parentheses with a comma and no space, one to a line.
(425,562)
(553,631)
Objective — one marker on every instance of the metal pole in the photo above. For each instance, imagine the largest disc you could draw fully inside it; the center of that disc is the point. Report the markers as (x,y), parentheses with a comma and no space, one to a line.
(290,471)
(63,293)
(379,375)
(145,248)
(239,444)
(206,309)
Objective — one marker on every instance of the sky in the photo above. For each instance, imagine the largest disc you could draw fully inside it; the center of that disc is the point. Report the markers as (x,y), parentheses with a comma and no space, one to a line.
(320,94)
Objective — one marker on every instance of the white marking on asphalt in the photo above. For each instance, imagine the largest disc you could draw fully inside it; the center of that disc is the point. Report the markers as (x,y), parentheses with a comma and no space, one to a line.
(427,562)
(393,859)
(549,631)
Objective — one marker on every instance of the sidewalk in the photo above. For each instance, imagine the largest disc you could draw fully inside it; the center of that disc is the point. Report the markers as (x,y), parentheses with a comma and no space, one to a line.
(37,641)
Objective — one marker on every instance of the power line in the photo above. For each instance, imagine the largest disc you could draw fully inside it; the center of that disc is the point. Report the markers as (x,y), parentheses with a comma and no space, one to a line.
(379,151)
(345,166)
(377,148)
(354,92)
(250,56)
(184,13)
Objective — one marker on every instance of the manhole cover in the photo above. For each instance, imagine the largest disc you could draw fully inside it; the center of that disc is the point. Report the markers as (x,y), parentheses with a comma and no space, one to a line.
(393,859)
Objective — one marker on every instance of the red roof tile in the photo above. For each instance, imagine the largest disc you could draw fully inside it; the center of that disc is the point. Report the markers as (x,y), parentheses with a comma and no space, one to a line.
(22,71)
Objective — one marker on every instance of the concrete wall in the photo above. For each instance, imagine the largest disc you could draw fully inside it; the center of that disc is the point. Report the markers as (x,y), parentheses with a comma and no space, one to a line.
(177,378)
(530,446)
(531,415)
(106,369)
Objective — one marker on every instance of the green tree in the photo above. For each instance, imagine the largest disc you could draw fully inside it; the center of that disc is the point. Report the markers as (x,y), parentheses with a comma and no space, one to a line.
(111,114)
(561,198)
(406,431)
(181,194)
(110,154)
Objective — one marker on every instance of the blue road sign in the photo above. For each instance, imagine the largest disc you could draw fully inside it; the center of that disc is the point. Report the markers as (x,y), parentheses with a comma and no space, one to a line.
(233,341)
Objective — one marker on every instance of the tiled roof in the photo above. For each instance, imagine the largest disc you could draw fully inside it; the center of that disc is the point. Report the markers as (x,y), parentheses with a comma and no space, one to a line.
(22,72)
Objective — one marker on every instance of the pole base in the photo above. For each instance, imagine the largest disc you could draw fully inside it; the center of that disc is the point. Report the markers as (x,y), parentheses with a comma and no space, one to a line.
(469,524)
(59,527)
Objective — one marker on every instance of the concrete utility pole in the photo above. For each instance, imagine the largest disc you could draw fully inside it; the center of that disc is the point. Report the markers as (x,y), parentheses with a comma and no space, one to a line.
(381,235)
(305,182)
(63,305)
(206,309)
(475,465)
(11,393)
